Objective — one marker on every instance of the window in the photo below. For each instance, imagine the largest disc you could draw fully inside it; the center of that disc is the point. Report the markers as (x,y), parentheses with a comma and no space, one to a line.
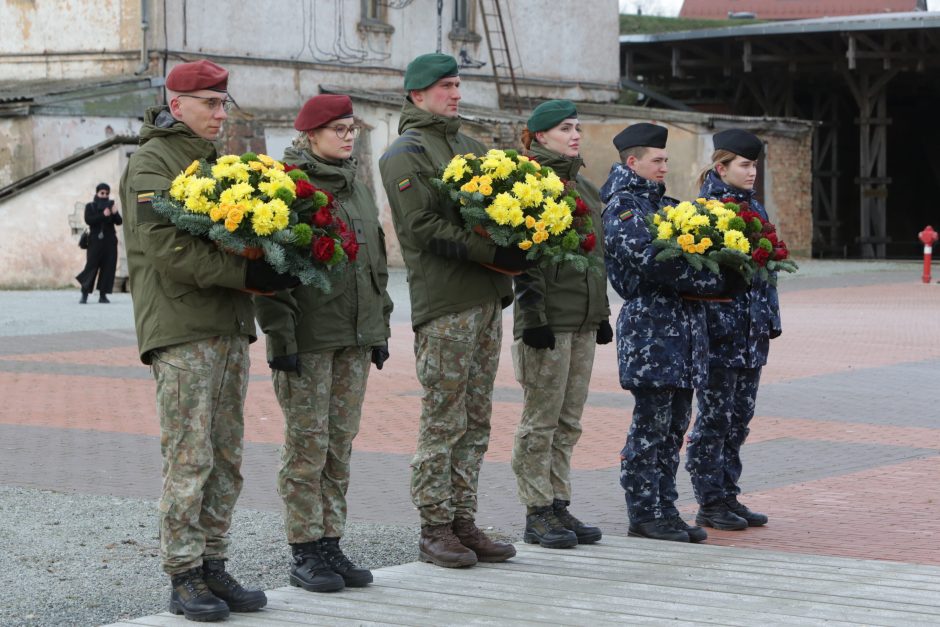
(375,16)
(462,27)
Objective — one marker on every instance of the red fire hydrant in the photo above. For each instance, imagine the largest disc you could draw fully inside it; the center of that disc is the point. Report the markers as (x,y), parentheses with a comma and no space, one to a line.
(928,236)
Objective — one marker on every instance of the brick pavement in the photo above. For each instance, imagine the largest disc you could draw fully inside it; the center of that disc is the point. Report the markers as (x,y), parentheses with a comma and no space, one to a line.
(844,452)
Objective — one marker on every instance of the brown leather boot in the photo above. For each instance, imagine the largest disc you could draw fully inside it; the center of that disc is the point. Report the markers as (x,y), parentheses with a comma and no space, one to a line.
(440,546)
(486,550)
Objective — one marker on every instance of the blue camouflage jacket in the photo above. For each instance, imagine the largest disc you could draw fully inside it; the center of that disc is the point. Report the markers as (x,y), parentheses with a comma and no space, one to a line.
(740,331)
(662,339)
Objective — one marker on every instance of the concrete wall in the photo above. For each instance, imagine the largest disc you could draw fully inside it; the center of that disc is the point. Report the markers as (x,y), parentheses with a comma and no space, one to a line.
(16,149)
(40,247)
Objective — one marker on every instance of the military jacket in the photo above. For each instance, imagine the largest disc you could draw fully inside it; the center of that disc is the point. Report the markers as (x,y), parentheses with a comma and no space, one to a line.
(739,332)
(558,295)
(183,287)
(356,311)
(442,258)
(662,339)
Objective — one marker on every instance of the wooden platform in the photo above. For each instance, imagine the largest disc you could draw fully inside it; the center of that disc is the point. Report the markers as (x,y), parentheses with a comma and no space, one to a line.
(621,581)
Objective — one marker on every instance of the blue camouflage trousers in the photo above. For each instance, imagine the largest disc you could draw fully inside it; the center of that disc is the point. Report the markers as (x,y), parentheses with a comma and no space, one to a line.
(201,389)
(725,409)
(650,459)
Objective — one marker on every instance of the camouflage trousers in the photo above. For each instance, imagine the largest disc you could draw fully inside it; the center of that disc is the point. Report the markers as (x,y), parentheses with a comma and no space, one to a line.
(650,459)
(456,360)
(555,388)
(201,390)
(725,409)
(322,407)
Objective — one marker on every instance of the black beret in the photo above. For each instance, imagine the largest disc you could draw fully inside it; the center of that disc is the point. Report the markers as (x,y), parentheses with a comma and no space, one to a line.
(739,142)
(550,114)
(102,186)
(427,69)
(641,134)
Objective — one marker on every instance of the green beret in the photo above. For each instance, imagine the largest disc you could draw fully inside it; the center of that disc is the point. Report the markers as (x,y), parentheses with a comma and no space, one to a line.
(550,114)
(427,69)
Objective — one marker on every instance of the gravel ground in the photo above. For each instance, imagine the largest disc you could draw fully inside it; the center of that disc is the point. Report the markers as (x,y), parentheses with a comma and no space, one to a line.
(75,559)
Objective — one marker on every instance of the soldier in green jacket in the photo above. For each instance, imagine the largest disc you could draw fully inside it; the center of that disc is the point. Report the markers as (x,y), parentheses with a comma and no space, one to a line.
(194,321)
(456,306)
(319,349)
(560,314)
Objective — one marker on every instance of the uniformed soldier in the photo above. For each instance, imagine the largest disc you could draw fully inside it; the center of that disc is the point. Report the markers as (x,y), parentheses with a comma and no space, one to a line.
(456,306)
(739,332)
(560,315)
(319,349)
(194,322)
(662,341)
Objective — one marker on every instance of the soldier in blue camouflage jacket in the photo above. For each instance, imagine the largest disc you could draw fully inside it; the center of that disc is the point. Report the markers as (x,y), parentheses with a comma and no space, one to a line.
(739,338)
(662,343)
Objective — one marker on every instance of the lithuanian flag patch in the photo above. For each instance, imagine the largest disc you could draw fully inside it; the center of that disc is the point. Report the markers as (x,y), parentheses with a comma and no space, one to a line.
(626,215)
(145,197)
(404,184)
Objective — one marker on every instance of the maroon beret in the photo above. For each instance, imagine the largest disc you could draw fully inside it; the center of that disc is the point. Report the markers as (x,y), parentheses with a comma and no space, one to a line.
(197,75)
(321,110)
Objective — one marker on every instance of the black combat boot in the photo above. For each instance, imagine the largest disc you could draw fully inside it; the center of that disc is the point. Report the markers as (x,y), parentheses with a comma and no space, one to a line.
(353,576)
(586,533)
(84,300)
(658,529)
(192,599)
(311,572)
(542,527)
(696,534)
(102,298)
(227,588)
(754,519)
(718,515)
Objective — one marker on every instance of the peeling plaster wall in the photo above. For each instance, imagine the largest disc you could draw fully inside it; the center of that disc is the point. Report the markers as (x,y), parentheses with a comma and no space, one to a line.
(16,149)
(59,137)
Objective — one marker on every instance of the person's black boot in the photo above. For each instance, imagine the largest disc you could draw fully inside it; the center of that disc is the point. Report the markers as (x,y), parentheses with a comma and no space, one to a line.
(658,529)
(754,519)
(586,533)
(311,572)
(192,598)
(696,534)
(227,588)
(84,300)
(103,298)
(718,515)
(544,529)
(353,576)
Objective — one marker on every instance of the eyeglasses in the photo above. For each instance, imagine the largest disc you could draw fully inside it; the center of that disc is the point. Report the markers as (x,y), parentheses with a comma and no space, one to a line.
(343,130)
(212,103)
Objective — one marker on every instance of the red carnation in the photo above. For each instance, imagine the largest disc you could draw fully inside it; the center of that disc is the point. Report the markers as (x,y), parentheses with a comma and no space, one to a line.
(747,216)
(323,248)
(351,247)
(304,188)
(760,256)
(288,168)
(780,251)
(728,199)
(771,237)
(580,207)
(323,218)
(589,242)
(744,205)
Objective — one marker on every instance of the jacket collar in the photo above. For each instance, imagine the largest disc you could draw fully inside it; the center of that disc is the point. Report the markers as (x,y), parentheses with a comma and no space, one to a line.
(413,117)
(714,187)
(566,168)
(623,179)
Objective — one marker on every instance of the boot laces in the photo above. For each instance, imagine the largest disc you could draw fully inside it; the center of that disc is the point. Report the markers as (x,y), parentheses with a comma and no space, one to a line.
(334,557)
(551,521)
(193,582)
(566,518)
(309,555)
(226,580)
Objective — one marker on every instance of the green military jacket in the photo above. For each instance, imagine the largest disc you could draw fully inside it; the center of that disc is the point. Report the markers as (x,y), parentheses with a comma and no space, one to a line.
(183,287)
(356,311)
(558,295)
(442,257)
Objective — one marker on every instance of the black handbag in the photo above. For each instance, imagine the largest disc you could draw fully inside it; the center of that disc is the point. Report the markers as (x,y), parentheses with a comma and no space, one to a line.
(83,240)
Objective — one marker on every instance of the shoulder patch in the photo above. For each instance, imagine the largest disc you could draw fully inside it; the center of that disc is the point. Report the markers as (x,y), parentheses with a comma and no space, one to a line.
(404,184)
(144,197)
(625,215)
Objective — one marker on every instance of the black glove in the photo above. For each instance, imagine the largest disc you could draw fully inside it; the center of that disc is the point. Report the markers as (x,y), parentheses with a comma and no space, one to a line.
(775,333)
(261,277)
(512,259)
(287,363)
(379,355)
(539,337)
(604,333)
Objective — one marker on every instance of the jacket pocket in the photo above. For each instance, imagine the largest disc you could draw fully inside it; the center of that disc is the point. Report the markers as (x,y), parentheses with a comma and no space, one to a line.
(173,289)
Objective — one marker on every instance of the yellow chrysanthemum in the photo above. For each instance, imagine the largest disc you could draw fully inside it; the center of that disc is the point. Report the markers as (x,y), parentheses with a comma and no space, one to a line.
(281,213)
(664,231)
(736,240)
(539,236)
(657,219)
(497,165)
(722,223)
(257,166)
(191,168)
(178,187)
(235,171)
(528,195)
(262,220)
(471,186)
(503,208)
(525,244)
(228,159)
(557,216)
(456,169)
(266,160)
(700,201)
(236,193)
(552,185)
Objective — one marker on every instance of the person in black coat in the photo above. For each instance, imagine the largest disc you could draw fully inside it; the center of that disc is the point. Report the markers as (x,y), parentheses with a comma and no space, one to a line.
(101,255)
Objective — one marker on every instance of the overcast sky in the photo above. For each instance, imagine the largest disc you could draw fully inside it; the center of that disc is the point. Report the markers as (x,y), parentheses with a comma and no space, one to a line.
(671,7)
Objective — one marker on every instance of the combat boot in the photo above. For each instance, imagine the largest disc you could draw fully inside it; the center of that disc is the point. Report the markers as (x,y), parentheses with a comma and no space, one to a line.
(754,519)
(658,529)
(353,576)
(438,545)
(474,539)
(227,588)
(542,527)
(84,300)
(586,533)
(311,572)
(718,515)
(103,299)
(696,534)
(192,599)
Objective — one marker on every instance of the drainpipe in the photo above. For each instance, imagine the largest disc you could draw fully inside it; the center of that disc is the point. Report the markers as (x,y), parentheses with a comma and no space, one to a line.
(144,25)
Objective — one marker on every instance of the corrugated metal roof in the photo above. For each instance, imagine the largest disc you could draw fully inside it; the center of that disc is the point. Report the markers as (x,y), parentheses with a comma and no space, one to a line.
(891,21)
(794,9)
